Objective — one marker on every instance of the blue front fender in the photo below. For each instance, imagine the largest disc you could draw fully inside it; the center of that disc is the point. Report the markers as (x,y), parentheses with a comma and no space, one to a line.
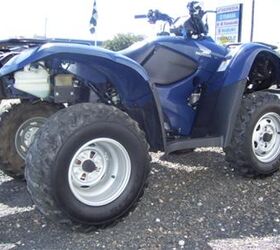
(221,101)
(241,64)
(234,86)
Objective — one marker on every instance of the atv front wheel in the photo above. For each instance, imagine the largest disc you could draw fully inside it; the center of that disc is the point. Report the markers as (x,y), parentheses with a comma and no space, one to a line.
(88,165)
(17,129)
(255,145)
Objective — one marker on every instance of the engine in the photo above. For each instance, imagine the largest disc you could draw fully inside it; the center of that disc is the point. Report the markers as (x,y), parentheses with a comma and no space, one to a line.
(62,82)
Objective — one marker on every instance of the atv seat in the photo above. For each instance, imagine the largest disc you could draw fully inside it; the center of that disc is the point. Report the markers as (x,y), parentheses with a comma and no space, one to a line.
(139,52)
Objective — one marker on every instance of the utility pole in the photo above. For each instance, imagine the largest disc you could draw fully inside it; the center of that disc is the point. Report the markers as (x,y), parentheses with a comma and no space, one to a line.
(252,21)
(46,26)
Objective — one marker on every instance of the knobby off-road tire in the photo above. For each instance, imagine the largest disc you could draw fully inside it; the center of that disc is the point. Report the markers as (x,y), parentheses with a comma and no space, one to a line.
(88,166)
(255,144)
(17,128)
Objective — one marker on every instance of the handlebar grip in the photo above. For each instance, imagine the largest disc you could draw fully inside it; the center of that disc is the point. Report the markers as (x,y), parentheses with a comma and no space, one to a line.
(140,16)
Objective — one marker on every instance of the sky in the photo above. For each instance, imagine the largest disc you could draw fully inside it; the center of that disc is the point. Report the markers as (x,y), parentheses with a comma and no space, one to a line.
(70,18)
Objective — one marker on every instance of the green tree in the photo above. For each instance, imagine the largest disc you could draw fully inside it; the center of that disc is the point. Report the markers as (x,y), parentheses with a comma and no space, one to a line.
(122,41)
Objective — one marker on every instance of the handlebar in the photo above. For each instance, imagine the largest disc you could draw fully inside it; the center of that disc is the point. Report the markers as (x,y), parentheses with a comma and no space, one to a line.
(140,16)
(154,16)
(194,26)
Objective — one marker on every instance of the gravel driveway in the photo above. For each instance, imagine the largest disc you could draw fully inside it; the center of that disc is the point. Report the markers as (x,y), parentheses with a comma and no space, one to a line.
(194,201)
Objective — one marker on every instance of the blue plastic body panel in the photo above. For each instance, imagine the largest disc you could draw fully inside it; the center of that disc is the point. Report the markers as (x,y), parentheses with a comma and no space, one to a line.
(225,89)
(239,65)
(208,55)
(98,66)
(217,70)
(50,49)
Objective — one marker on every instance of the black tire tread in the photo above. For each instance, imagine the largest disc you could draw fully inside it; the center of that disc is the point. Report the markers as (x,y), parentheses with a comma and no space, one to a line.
(235,154)
(37,187)
(8,117)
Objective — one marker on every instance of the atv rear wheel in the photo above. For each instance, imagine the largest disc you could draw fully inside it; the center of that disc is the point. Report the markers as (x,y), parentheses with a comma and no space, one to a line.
(18,127)
(255,145)
(88,165)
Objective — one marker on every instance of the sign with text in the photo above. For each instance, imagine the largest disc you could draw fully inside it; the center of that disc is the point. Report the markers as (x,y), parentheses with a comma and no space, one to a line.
(228,24)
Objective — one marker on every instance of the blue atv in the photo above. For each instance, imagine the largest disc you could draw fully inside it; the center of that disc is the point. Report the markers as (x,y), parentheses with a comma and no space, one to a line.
(89,163)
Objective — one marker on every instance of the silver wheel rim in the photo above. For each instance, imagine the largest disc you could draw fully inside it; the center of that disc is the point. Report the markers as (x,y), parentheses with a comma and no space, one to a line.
(266,138)
(99,172)
(25,134)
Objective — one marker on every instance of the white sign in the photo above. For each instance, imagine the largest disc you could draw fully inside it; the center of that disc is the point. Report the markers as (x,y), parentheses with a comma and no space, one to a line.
(228,24)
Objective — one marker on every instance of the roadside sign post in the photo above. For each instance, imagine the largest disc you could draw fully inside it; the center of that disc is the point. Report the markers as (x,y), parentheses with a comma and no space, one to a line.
(229,24)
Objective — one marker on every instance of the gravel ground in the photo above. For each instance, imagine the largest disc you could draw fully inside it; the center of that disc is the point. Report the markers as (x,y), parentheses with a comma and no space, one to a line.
(194,201)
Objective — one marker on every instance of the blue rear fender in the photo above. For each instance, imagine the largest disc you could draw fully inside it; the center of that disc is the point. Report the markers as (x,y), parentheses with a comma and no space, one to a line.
(100,68)
(51,49)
